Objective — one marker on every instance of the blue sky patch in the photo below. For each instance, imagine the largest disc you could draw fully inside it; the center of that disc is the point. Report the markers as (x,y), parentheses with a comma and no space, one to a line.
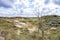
(57,2)
(46,1)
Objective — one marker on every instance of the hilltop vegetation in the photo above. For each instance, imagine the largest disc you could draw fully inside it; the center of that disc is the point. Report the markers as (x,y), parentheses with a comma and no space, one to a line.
(50,24)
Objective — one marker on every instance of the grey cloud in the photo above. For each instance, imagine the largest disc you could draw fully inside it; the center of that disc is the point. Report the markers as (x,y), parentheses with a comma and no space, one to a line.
(6,3)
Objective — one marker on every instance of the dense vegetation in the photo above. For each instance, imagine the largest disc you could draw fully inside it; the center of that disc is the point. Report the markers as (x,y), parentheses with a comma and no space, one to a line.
(50,24)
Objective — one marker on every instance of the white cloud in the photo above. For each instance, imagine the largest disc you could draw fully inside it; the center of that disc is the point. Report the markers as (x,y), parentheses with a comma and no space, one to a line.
(23,8)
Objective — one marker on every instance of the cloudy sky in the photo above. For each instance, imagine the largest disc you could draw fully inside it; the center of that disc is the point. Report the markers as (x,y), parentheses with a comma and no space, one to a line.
(29,8)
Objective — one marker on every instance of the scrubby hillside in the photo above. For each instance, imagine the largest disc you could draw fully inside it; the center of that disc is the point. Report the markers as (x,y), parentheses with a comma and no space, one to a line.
(19,28)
